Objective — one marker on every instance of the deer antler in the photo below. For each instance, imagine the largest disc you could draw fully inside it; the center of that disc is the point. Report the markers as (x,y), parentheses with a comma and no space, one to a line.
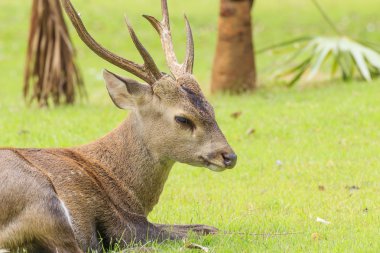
(147,72)
(163,29)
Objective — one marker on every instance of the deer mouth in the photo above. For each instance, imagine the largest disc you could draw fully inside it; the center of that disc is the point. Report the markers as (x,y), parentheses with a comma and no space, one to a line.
(212,165)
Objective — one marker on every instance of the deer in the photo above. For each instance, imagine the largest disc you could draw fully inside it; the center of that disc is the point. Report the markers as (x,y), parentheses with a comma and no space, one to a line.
(78,198)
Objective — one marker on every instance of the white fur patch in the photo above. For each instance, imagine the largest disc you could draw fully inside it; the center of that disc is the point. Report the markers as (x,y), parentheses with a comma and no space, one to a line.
(4,251)
(67,214)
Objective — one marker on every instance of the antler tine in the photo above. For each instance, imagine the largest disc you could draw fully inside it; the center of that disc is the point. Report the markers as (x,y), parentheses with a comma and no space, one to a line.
(163,29)
(165,14)
(189,59)
(147,72)
(148,60)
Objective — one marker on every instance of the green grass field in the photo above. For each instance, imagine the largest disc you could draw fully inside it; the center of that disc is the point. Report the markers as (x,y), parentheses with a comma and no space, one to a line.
(314,152)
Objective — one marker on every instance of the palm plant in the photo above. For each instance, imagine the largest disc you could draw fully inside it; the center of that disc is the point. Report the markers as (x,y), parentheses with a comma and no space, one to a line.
(350,56)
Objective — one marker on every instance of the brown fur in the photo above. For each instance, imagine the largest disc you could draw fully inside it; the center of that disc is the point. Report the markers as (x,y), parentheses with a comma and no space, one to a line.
(75,199)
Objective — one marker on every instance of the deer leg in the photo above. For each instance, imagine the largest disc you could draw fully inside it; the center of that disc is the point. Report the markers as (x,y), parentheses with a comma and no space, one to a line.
(137,229)
(196,228)
(150,232)
(146,231)
(42,227)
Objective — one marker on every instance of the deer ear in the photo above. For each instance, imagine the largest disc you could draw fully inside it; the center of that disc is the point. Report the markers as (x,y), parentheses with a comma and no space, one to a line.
(124,92)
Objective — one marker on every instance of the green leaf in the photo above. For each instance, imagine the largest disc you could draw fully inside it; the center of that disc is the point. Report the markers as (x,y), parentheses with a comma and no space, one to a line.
(302,70)
(346,65)
(372,57)
(295,68)
(360,63)
(323,55)
(283,44)
(334,66)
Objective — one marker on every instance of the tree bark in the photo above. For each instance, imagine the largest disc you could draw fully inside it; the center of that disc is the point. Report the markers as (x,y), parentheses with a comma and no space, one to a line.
(234,64)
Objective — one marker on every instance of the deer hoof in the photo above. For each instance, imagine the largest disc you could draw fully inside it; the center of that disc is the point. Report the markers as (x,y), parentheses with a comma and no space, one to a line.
(204,229)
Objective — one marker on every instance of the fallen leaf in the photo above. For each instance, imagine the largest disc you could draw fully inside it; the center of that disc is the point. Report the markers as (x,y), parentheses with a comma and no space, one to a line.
(320,220)
(236,115)
(315,236)
(21,132)
(190,245)
(321,188)
(352,188)
(251,131)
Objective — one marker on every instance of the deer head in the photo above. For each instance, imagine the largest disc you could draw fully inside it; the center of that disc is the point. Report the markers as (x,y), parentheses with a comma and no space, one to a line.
(174,119)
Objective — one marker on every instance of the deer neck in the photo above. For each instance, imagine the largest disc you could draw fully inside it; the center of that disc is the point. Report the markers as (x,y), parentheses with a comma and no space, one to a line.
(138,169)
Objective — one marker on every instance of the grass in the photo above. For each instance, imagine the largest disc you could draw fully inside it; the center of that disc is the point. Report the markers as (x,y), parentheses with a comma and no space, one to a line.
(310,145)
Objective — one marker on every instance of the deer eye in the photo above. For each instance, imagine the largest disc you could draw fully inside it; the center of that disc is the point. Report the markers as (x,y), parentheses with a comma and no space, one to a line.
(184,121)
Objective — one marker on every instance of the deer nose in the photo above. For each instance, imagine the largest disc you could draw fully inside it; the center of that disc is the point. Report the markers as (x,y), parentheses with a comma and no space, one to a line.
(229,159)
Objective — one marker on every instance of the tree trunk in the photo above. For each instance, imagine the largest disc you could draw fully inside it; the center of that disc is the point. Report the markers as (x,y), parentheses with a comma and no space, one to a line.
(50,71)
(234,65)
